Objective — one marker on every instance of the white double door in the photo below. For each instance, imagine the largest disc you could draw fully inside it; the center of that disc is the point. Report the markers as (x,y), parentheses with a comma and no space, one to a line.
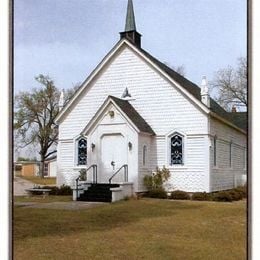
(113,154)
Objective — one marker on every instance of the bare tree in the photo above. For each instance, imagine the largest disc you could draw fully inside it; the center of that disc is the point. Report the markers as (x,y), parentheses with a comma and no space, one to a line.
(34,117)
(230,85)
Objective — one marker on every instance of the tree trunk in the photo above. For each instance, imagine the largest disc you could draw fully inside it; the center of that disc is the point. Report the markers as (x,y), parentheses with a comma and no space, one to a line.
(42,167)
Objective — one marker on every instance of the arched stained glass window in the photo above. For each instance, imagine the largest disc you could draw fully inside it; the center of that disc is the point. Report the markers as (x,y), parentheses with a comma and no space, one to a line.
(82,151)
(176,149)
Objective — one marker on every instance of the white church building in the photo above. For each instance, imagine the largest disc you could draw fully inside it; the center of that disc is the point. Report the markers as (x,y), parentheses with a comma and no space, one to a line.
(133,114)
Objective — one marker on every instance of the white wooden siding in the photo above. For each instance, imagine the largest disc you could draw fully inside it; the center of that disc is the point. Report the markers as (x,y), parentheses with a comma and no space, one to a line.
(193,175)
(147,168)
(159,103)
(222,176)
(156,99)
(65,163)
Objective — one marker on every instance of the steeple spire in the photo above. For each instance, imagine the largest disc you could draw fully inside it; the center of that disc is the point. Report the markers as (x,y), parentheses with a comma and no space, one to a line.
(130,32)
(130,17)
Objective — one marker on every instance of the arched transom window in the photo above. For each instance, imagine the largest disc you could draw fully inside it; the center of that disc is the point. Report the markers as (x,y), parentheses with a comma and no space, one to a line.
(176,148)
(82,151)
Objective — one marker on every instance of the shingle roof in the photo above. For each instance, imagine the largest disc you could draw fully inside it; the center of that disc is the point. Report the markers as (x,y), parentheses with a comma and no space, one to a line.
(133,115)
(238,119)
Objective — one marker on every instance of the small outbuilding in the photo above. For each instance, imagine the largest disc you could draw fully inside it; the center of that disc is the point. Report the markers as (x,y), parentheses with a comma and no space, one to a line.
(29,168)
(50,167)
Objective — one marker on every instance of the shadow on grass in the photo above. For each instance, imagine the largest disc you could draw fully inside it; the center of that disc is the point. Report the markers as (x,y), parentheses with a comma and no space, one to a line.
(31,222)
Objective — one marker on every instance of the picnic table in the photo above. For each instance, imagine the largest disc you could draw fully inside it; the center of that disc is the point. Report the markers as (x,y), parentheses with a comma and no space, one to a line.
(32,191)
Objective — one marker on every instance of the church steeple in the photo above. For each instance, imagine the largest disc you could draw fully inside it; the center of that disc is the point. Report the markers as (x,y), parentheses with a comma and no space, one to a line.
(130,17)
(130,32)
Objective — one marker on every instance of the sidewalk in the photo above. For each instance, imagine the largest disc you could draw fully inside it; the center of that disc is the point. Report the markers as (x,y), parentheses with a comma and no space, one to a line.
(20,185)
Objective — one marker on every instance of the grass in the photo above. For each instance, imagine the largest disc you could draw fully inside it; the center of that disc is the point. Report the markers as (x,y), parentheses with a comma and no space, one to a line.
(39,180)
(40,199)
(133,229)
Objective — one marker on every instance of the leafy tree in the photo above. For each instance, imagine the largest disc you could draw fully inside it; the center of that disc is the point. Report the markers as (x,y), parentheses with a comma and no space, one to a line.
(34,117)
(230,85)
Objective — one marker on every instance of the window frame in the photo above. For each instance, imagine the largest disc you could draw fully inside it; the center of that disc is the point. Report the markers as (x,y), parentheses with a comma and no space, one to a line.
(144,157)
(215,151)
(46,169)
(168,142)
(230,154)
(76,152)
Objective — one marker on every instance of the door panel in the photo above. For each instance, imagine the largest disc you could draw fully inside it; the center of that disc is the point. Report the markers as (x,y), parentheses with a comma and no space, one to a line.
(113,149)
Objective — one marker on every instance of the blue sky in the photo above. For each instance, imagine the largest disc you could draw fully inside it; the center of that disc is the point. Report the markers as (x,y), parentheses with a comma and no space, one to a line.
(66,39)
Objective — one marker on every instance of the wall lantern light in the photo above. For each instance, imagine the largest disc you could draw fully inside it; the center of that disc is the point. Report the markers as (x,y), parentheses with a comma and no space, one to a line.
(93,146)
(111,113)
(130,146)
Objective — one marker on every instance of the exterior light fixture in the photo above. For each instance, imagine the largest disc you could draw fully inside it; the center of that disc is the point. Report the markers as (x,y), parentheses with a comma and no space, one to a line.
(130,146)
(111,113)
(93,146)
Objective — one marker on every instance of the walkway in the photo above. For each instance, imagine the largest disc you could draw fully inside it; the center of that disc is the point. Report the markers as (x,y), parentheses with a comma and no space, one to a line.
(20,185)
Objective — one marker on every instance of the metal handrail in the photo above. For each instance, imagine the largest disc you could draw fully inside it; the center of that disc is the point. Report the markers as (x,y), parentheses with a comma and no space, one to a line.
(125,166)
(94,166)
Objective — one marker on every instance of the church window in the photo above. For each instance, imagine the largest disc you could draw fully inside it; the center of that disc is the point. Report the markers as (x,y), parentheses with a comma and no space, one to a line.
(230,154)
(144,154)
(215,151)
(176,149)
(82,151)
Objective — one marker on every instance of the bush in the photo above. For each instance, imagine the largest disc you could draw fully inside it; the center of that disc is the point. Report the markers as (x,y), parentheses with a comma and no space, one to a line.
(157,193)
(222,196)
(180,195)
(235,195)
(157,179)
(242,190)
(63,190)
(202,196)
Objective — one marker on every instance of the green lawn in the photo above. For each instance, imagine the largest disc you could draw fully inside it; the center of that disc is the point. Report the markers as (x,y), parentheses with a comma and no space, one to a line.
(40,199)
(133,229)
(39,180)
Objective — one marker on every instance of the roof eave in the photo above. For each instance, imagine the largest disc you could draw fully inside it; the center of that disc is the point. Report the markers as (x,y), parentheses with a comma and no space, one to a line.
(101,110)
(227,122)
(89,79)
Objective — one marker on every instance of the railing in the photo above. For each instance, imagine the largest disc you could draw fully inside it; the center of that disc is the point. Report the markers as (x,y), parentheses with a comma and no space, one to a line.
(125,166)
(94,180)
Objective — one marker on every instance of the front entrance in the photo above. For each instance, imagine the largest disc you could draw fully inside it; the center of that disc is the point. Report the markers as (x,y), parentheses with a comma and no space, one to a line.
(113,156)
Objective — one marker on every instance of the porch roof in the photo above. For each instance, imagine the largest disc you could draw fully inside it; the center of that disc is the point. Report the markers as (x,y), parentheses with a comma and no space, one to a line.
(133,115)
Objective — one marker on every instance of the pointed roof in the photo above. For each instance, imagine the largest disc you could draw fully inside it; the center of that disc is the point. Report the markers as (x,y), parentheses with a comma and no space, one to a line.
(128,110)
(192,91)
(130,17)
(133,115)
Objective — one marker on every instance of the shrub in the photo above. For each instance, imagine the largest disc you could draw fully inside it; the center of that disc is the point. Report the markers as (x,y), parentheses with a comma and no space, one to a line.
(157,193)
(222,196)
(63,190)
(180,195)
(202,196)
(242,190)
(157,179)
(235,195)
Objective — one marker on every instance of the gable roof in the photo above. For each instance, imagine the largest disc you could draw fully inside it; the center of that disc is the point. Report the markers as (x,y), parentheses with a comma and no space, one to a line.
(128,110)
(190,89)
(133,115)
(239,119)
